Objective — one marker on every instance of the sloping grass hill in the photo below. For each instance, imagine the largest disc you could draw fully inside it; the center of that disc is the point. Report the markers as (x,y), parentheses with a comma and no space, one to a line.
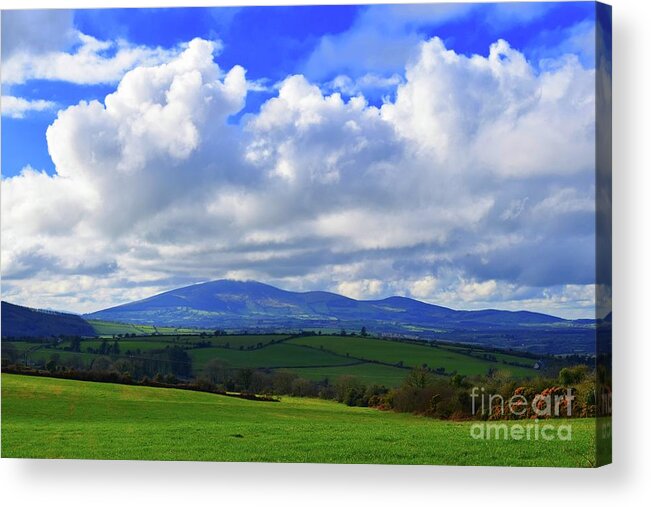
(53,418)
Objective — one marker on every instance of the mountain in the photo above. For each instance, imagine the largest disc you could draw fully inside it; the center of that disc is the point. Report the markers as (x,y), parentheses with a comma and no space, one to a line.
(254,306)
(229,303)
(20,322)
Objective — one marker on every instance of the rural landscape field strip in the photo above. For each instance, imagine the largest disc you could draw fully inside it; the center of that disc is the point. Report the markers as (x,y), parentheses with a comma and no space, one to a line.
(236,341)
(43,355)
(407,354)
(318,357)
(129,345)
(54,418)
(106,328)
(282,355)
(478,352)
(368,373)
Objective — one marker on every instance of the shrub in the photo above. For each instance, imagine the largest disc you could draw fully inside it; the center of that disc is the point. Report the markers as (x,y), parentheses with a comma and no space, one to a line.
(573,374)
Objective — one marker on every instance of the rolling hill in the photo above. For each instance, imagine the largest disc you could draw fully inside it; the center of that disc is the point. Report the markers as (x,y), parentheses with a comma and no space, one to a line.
(254,306)
(20,322)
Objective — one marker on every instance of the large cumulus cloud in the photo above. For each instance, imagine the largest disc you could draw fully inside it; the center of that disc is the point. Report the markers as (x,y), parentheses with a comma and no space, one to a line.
(473,187)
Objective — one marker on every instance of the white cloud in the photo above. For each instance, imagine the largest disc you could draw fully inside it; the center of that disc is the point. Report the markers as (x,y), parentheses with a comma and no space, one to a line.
(440,193)
(578,39)
(91,61)
(509,120)
(508,13)
(303,136)
(383,37)
(423,288)
(360,289)
(565,201)
(367,84)
(569,301)
(381,40)
(36,31)
(472,291)
(120,163)
(17,107)
(515,209)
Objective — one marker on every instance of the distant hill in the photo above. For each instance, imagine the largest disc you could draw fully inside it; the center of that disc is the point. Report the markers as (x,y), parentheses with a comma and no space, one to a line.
(20,322)
(254,306)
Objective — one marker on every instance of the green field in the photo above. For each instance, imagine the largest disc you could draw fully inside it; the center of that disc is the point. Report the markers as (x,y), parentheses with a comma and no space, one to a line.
(150,342)
(276,356)
(235,341)
(477,352)
(368,373)
(409,354)
(52,418)
(23,347)
(43,355)
(374,361)
(105,328)
(126,345)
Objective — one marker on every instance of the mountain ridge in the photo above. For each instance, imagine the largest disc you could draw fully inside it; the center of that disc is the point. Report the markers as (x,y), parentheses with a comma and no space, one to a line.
(234,303)
(254,307)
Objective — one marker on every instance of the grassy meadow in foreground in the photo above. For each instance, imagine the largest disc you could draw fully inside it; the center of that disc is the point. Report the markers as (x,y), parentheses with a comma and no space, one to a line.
(53,418)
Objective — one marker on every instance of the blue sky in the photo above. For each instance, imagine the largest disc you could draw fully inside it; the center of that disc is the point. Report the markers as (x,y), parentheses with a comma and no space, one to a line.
(358,106)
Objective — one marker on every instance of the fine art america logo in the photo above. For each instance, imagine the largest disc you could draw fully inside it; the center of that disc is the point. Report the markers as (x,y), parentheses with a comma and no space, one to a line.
(542,408)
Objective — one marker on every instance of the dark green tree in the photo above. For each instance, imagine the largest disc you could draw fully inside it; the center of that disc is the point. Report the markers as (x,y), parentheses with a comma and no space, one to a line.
(181,364)
(244,377)
(75,344)
(418,378)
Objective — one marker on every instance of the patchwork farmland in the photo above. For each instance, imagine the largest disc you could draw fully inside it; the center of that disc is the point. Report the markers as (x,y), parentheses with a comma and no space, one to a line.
(314,357)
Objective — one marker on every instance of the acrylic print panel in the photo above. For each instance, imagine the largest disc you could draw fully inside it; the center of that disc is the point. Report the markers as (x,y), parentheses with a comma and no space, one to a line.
(334,234)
